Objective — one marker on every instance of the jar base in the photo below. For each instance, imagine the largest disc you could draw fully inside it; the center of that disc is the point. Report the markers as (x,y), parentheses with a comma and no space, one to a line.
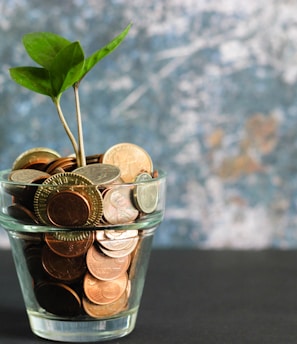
(82,331)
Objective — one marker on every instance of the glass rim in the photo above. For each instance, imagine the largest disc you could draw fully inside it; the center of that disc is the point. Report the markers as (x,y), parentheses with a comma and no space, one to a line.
(5,181)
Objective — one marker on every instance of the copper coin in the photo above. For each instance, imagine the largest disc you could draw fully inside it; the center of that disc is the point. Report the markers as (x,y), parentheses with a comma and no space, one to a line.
(35,157)
(61,163)
(63,268)
(22,213)
(106,268)
(104,292)
(101,311)
(118,207)
(68,209)
(130,158)
(58,299)
(71,248)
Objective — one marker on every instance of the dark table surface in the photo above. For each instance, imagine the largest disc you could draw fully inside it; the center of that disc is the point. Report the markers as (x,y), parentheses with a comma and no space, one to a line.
(192,297)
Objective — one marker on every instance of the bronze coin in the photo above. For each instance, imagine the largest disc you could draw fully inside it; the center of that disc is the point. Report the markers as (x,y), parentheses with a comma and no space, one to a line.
(102,311)
(58,299)
(71,248)
(22,213)
(130,158)
(106,268)
(104,292)
(63,163)
(118,207)
(63,268)
(68,209)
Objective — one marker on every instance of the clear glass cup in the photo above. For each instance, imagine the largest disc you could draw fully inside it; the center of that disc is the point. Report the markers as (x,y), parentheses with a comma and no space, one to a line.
(80,283)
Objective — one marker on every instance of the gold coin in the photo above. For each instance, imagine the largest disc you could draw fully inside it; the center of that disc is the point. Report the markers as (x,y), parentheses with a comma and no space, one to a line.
(34,157)
(118,207)
(145,193)
(130,158)
(63,182)
(99,174)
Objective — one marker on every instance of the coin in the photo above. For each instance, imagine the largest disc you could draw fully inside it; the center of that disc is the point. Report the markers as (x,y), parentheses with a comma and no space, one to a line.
(118,207)
(68,209)
(28,176)
(62,268)
(58,299)
(101,311)
(106,268)
(119,234)
(112,250)
(71,248)
(23,185)
(35,157)
(130,158)
(145,193)
(99,174)
(22,213)
(63,163)
(104,292)
(65,182)
(118,244)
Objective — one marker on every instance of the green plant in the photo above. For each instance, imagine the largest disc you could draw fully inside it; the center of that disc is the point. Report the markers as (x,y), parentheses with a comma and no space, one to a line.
(63,65)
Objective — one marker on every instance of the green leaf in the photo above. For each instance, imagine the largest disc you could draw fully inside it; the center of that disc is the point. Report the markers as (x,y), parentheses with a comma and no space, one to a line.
(34,78)
(92,60)
(66,67)
(42,47)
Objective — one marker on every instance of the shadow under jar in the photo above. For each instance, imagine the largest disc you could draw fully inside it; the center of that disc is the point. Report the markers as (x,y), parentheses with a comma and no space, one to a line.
(81,252)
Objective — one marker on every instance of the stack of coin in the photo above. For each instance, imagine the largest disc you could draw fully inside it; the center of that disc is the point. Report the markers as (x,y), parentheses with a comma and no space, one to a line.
(83,272)
(113,188)
(86,268)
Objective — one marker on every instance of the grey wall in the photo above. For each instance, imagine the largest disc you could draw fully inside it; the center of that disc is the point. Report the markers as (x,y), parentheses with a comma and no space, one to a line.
(208,88)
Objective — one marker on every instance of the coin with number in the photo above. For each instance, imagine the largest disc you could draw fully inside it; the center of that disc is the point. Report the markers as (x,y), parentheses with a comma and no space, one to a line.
(145,193)
(73,183)
(130,158)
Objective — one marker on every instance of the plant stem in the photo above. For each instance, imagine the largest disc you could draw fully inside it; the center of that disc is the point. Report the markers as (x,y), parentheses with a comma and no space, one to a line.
(56,101)
(81,150)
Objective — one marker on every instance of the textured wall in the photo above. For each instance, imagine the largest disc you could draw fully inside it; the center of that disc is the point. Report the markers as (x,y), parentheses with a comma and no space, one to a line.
(208,88)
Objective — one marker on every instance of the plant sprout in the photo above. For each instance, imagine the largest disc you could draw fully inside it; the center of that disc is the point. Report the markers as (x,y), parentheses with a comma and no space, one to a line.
(62,65)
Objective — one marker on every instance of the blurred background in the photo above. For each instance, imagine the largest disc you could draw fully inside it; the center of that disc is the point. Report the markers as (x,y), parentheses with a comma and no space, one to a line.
(207,87)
